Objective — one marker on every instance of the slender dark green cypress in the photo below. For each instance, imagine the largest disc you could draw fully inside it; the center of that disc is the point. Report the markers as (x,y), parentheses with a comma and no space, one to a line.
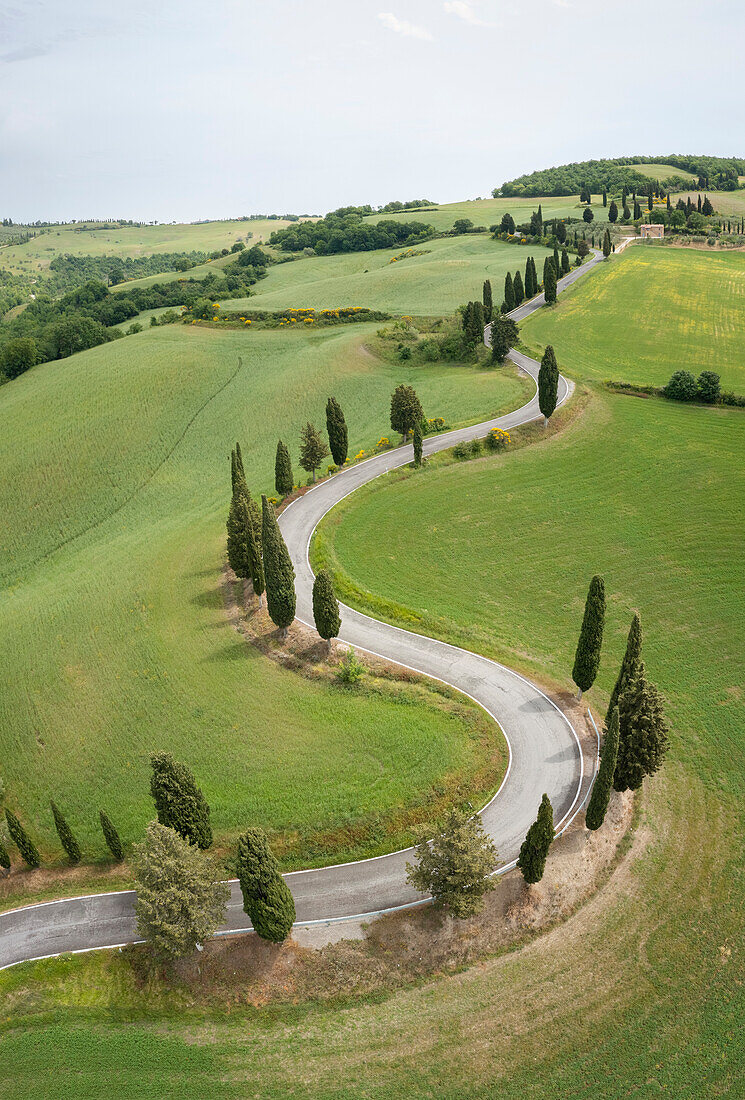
(4,857)
(534,849)
(549,280)
(548,384)
(565,261)
(283,481)
(630,659)
(111,836)
(237,549)
(233,470)
(280,576)
(65,833)
(417,444)
(325,608)
(643,731)
(528,281)
(603,785)
(23,842)
(239,462)
(509,295)
(336,426)
(253,550)
(587,657)
(607,247)
(605,197)
(179,802)
(517,288)
(486,297)
(266,896)
(557,262)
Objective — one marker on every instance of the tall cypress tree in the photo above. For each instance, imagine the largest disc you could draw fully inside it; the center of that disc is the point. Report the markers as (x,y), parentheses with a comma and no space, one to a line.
(607,247)
(529,289)
(587,657)
(179,802)
(638,209)
(605,197)
(643,730)
(534,849)
(4,857)
(549,280)
(283,481)
(487,300)
(65,833)
(111,836)
(613,211)
(517,288)
(565,260)
(509,295)
(548,384)
(236,527)
(630,659)
(475,329)
(233,470)
(557,262)
(417,440)
(325,608)
(239,462)
(336,426)
(603,785)
(266,896)
(280,576)
(23,842)
(253,549)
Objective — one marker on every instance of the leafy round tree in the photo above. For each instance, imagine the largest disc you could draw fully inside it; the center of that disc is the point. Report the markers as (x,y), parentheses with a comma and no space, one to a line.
(418,444)
(643,731)
(503,336)
(266,895)
(406,410)
(587,215)
(549,280)
(587,657)
(313,450)
(456,868)
(180,898)
(283,480)
(709,388)
(507,224)
(517,289)
(336,426)
(534,849)
(179,802)
(28,851)
(607,246)
(681,387)
(280,576)
(18,355)
(111,836)
(65,833)
(509,294)
(486,298)
(548,384)
(603,785)
(630,660)
(325,608)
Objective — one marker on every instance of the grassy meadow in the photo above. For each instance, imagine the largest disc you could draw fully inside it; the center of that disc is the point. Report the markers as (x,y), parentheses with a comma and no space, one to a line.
(114,639)
(489,211)
(650,312)
(662,172)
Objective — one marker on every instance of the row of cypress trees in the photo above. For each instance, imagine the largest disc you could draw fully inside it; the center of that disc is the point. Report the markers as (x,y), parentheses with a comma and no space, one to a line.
(313,449)
(29,853)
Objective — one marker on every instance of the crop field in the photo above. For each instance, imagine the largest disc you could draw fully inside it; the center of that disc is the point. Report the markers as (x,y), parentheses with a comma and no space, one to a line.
(113,636)
(653,311)
(449,272)
(489,211)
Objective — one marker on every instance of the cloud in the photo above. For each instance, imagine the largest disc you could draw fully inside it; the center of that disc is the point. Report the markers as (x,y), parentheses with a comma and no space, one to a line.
(465,12)
(400,26)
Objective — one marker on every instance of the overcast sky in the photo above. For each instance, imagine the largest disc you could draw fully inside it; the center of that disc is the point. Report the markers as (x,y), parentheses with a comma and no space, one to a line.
(178,109)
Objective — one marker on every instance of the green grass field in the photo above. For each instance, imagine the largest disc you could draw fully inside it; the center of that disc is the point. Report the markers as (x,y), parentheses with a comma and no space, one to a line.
(730,203)
(114,640)
(648,313)
(489,211)
(662,172)
(451,272)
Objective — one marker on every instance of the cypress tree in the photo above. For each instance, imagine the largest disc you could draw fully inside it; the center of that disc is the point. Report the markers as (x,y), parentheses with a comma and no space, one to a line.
(624,194)
(280,576)
(557,262)
(549,281)
(336,426)
(325,608)
(475,325)
(534,849)
(65,833)
(509,295)
(283,481)
(603,785)
(630,659)
(529,289)
(111,836)
(605,197)
(312,449)
(650,199)
(253,548)
(239,462)
(236,527)
(668,204)
(613,211)
(642,732)
(626,212)
(638,209)
(417,444)
(517,288)
(698,205)
(503,336)
(707,209)
(606,244)
(487,300)
(23,842)
(179,802)
(565,260)
(4,857)
(233,470)
(548,384)
(587,657)
(266,896)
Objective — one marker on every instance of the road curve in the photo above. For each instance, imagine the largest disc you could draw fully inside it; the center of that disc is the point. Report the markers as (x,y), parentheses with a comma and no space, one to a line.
(544,750)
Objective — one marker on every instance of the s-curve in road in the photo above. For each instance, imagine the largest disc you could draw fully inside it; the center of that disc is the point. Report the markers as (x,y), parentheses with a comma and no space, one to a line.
(545,754)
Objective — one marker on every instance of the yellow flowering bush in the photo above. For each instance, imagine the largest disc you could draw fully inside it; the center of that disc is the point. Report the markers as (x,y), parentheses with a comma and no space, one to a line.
(383,443)
(497,440)
(359,455)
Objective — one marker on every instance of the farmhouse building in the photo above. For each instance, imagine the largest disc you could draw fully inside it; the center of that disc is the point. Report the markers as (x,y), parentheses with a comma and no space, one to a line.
(652,230)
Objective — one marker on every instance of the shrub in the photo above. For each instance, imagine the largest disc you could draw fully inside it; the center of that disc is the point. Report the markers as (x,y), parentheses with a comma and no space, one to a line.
(475,447)
(350,669)
(456,868)
(430,350)
(460,450)
(681,387)
(497,440)
(709,389)
(266,897)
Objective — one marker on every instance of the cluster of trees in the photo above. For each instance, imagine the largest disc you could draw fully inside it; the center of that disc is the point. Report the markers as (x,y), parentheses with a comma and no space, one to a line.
(29,852)
(73,271)
(714,173)
(343,231)
(684,387)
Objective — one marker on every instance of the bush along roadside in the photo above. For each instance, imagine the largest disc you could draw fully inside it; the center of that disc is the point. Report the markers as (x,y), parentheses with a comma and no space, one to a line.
(683,386)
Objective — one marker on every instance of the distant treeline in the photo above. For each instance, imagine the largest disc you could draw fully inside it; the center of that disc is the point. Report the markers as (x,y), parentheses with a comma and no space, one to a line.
(712,173)
(344,230)
(72,271)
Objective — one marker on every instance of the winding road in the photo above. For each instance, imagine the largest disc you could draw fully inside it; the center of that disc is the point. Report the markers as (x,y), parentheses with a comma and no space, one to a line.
(545,753)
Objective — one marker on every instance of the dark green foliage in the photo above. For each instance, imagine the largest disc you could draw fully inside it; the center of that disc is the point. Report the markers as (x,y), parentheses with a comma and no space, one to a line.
(266,896)
(179,802)
(549,280)
(587,215)
(111,836)
(626,212)
(486,298)
(336,427)
(531,278)
(417,444)
(313,450)
(4,857)
(709,389)
(605,197)
(65,833)
(587,657)
(517,289)
(346,230)
(252,524)
(638,209)
(560,231)
(233,471)
(534,849)
(557,262)
(613,212)
(23,842)
(504,335)
(473,324)
(236,526)
(643,732)
(607,246)
(706,208)
(406,410)
(681,387)
(650,199)
(603,785)
(548,383)
(631,658)
(280,576)
(507,224)
(509,295)
(564,262)
(239,462)
(18,356)
(283,480)
(456,868)
(325,607)
(719,173)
